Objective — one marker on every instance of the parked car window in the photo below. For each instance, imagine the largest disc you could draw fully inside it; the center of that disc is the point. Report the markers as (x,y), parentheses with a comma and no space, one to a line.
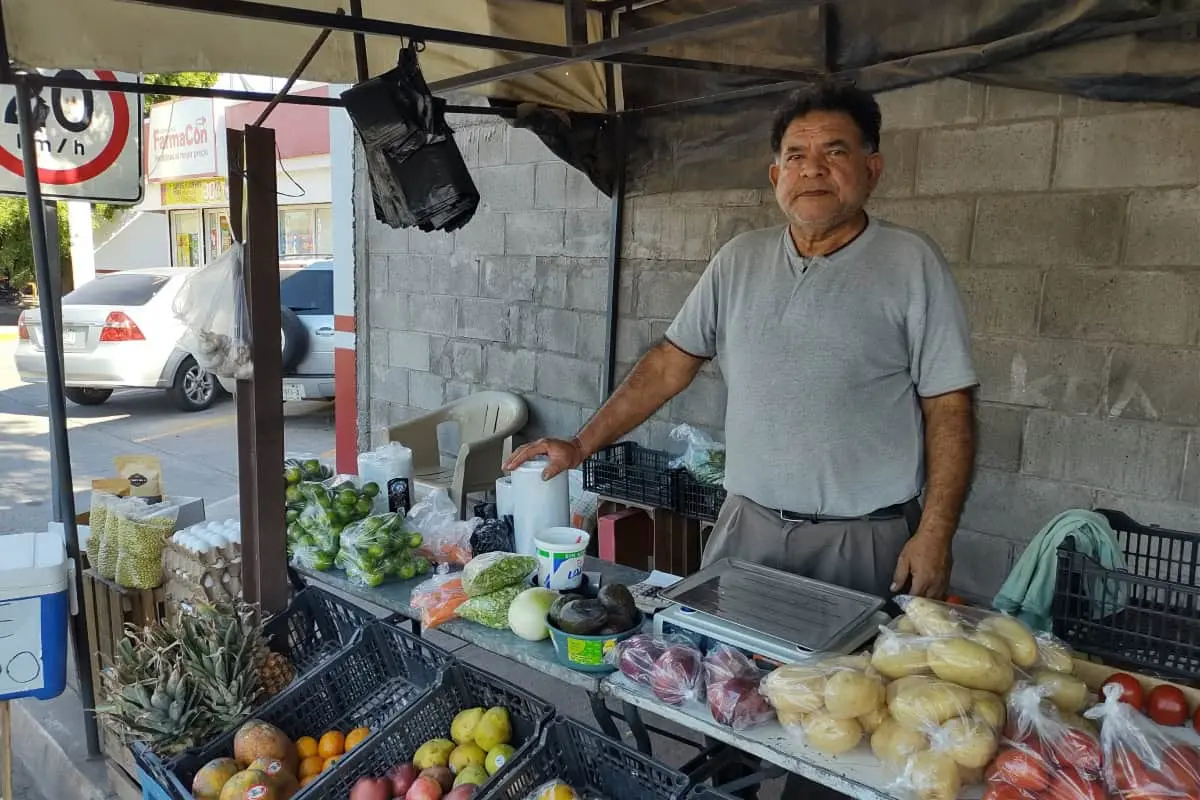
(308,291)
(117,290)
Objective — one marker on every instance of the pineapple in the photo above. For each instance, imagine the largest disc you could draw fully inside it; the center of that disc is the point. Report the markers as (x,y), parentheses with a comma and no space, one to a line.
(275,675)
(224,650)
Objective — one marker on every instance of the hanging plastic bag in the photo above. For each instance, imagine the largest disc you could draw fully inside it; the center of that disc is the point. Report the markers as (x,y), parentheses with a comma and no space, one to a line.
(704,458)
(142,535)
(211,304)
(1141,760)
(438,599)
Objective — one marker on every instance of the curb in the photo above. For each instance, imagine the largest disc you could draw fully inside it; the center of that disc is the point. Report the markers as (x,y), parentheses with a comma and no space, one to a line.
(48,741)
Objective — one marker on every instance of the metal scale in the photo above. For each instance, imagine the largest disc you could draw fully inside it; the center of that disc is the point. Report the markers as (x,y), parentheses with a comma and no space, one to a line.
(773,617)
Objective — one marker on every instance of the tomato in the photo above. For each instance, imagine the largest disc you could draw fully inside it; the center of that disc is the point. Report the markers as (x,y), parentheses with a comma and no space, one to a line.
(1021,769)
(1167,705)
(1181,766)
(955,600)
(1068,784)
(1131,690)
(1003,791)
(1079,750)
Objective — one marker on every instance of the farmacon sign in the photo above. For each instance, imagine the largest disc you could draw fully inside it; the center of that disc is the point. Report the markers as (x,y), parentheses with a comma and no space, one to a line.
(182,140)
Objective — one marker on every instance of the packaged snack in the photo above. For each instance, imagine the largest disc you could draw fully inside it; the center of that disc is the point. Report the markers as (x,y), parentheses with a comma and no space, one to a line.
(141,537)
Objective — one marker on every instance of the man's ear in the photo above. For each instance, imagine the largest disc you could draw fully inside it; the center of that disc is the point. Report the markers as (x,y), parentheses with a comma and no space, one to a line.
(773,172)
(874,168)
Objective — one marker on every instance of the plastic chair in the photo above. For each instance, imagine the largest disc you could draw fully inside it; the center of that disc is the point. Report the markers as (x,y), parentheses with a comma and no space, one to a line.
(486,423)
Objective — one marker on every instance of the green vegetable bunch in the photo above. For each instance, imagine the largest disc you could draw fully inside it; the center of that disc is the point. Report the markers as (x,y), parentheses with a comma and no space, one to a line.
(379,547)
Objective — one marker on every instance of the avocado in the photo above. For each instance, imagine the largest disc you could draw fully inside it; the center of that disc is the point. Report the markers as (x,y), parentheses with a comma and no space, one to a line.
(557,606)
(582,617)
(617,598)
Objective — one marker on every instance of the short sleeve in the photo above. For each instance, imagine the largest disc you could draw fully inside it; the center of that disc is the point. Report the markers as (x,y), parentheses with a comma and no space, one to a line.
(694,329)
(939,333)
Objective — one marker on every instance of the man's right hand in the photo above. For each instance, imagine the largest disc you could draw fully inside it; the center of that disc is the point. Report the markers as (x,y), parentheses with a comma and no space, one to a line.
(563,455)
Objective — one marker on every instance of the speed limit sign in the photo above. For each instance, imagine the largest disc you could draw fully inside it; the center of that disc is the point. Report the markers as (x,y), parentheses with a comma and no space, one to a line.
(90,146)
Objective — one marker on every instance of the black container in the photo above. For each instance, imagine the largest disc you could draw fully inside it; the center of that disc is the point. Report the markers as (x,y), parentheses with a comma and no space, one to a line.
(1157,630)
(379,675)
(315,626)
(628,471)
(709,793)
(591,763)
(462,686)
(697,500)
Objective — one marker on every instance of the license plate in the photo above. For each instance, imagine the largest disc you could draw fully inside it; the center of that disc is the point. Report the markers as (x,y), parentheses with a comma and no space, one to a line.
(71,338)
(293,391)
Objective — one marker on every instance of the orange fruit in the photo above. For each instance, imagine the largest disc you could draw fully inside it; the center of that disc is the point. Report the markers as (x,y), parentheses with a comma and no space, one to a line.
(331,744)
(311,765)
(306,781)
(306,747)
(355,737)
(329,762)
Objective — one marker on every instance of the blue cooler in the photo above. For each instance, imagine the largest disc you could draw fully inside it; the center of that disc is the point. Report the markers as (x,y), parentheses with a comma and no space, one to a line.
(34,610)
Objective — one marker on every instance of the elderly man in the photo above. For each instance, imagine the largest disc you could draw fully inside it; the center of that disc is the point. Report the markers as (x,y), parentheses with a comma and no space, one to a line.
(846,353)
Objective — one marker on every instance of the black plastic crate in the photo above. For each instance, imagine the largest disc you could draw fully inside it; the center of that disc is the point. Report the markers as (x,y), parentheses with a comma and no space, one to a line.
(1157,629)
(315,625)
(591,763)
(462,686)
(709,793)
(698,500)
(368,685)
(628,471)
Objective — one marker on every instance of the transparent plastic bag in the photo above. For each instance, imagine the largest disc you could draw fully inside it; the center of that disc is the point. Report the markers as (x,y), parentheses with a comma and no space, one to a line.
(377,548)
(827,702)
(97,519)
(438,599)
(314,538)
(211,304)
(142,536)
(731,683)
(492,571)
(110,544)
(490,609)
(704,457)
(1142,761)
(553,790)
(447,539)
(672,667)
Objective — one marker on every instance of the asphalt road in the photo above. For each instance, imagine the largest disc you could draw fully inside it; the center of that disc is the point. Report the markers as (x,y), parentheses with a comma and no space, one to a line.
(198,451)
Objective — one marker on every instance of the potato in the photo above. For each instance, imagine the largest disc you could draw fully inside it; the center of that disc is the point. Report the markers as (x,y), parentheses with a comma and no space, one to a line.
(904,625)
(929,704)
(830,735)
(897,656)
(934,776)
(898,685)
(1054,655)
(931,618)
(790,717)
(1020,641)
(970,777)
(795,689)
(872,721)
(992,642)
(850,694)
(969,741)
(989,708)
(859,661)
(1066,691)
(892,743)
(971,665)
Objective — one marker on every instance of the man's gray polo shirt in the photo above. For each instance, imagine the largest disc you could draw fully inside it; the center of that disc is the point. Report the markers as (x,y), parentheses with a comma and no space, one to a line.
(825,359)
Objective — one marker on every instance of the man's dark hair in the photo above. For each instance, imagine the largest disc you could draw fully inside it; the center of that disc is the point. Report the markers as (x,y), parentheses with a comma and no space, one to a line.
(848,99)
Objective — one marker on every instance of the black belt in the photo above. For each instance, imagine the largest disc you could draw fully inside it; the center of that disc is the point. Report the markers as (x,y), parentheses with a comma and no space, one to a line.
(896,511)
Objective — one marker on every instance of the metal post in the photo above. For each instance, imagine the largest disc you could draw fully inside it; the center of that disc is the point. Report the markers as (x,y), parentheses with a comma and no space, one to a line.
(60,452)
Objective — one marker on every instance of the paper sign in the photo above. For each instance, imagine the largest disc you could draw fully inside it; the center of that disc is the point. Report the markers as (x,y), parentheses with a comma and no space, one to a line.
(21,647)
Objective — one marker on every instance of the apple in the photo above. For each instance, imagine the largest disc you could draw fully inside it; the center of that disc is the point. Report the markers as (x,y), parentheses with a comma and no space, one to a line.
(371,789)
(402,777)
(424,788)
(676,674)
(442,775)
(462,792)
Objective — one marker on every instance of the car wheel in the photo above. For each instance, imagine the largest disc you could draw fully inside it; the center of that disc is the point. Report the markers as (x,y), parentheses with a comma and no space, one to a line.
(294,338)
(85,396)
(195,388)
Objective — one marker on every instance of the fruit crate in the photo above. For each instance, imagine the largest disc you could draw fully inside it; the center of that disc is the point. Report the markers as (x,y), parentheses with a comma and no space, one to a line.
(1146,617)
(463,686)
(628,471)
(709,793)
(589,762)
(315,626)
(381,673)
(698,500)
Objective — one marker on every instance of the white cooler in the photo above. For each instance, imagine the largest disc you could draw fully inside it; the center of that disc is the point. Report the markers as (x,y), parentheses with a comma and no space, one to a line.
(34,612)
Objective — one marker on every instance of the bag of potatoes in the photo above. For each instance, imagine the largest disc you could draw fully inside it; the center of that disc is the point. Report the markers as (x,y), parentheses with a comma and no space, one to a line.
(830,703)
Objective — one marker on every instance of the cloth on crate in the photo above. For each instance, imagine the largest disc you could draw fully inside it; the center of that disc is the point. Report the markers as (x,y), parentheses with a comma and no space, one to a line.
(1028,592)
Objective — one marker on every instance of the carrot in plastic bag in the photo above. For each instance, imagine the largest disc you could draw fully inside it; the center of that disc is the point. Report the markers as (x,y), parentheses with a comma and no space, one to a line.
(438,599)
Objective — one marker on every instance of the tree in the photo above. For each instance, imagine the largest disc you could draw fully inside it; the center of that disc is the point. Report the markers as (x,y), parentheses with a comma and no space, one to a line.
(16,247)
(202,80)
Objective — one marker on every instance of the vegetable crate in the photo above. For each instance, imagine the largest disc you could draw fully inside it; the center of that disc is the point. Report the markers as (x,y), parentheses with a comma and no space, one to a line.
(709,793)
(381,673)
(462,686)
(1145,617)
(698,500)
(315,625)
(628,471)
(591,763)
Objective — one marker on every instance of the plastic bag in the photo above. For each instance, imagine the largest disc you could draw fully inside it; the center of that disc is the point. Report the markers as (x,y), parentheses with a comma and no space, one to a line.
(438,599)
(490,609)
(553,790)
(731,682)
(142,535)
(97,518)
(492,571)
(211,304)
(1141,760)
(379,547)
(447,539)
(704,457)
(492,535)
(671,667)
(110,539)
(828,702)
(390,468)
(315,537)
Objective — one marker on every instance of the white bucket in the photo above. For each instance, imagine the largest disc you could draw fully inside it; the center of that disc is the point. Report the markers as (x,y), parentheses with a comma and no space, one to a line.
(560,553)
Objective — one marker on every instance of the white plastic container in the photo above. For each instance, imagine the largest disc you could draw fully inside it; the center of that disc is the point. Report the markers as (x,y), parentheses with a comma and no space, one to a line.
(504,497)
(560,553)
(389,467)
(34,608)
(537,504)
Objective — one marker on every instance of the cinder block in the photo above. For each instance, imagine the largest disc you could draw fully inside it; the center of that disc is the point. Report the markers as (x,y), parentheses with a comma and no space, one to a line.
(459,276)
(582,193)
(483,235)
(1109,454)
(1000,431)
(656,233)
(1057,229)
(390,311)
(550,281)
(456,390)
(426,390)
(1016,506)
(627,292)
(483,319)
(557,330)
(1013,158)
(378,271)
(736,220)
(926,105)
(390,384)
(1133,307)
(383,238)
(945,220)
(434,243)
(411,273)
(1176,516)
(522,325)
(492,143)
(1163,229)
(661,294)
(1190,491)
(509,367)
(377,347)
(1004,104)
(441,360)
(508,277)
(588,233)
(1000,301)
(564,378)
(587,286)
(701,403)
(899,149)
(507,188)
(550,191)
(409,350)
(534,233)
(592,338)
(633,339)
(524,147)
(1158,384)
(700,233)
(713,198)
(552,417)
(434,314)
(1041,373)
(981,563)
(1149,148)
(467,361)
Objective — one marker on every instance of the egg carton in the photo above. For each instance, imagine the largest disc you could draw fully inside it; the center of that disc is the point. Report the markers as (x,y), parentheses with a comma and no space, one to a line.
(203,563)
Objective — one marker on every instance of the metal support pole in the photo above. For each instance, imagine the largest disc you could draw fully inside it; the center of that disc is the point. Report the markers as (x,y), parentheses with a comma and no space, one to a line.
(362,70)
(60,451)
(614,256)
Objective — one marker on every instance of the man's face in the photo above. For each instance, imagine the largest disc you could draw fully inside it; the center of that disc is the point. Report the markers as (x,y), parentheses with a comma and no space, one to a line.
(823,173)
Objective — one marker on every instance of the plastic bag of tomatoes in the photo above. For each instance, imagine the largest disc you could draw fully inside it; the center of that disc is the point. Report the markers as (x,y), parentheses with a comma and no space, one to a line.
(1045,754)
(1141,760)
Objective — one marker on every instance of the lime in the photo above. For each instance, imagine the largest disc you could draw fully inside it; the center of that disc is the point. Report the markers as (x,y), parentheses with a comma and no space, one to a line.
(408,571)
(322,562)
(312,466)
(421,565)
(415,540)
(292,515)
(294,495)
(347,497)
(363,506)
(370,489)
(293,476)
(373,578)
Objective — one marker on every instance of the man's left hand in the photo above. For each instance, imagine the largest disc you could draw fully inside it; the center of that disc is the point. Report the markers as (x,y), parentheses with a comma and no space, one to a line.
(924,566)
